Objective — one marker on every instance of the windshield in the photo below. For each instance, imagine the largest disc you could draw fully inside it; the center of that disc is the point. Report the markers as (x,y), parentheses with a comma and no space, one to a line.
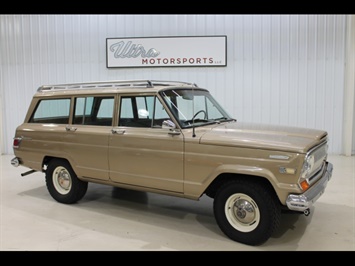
(194,107)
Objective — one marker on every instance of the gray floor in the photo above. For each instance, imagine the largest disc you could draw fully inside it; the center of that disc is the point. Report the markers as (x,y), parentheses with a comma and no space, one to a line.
(113,219)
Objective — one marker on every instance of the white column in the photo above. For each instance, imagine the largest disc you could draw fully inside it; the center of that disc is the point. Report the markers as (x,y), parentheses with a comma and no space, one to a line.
(2,142)
(349,86)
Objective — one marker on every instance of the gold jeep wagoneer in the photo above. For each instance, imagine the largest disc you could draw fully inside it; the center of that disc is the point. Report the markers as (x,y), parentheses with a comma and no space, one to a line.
(175,139)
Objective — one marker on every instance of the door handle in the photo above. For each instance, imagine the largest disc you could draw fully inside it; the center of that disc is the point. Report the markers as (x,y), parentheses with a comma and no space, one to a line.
(118,131)
(69,128)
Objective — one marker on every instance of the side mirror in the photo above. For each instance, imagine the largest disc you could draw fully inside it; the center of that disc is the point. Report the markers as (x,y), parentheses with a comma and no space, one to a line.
(168,124)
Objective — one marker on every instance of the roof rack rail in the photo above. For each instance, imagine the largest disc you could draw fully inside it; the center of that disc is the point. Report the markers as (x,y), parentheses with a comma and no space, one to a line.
(112,84)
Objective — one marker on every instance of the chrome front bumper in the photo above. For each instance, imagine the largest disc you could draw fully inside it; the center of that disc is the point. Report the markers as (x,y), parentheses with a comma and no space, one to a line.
(302,202)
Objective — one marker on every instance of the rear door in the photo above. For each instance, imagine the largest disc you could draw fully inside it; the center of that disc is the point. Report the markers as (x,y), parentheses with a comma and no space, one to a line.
(86,139)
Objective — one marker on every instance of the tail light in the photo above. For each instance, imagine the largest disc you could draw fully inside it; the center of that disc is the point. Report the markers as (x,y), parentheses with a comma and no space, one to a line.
(16,143)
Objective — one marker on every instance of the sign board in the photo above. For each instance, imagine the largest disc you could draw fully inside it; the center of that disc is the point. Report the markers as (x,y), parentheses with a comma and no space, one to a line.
(193,51)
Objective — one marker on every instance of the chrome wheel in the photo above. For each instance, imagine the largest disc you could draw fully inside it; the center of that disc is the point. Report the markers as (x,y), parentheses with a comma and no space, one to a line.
(242,212)
(62,181)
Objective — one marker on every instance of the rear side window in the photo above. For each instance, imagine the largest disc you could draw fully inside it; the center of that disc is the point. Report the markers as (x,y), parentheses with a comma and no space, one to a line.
(52,111)
(96,111)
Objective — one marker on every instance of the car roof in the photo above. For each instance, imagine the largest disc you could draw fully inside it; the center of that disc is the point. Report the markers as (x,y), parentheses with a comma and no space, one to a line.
(106,87)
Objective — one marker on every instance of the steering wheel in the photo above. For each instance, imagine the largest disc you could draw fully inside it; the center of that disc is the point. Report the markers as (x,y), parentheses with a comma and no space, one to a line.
(201,111)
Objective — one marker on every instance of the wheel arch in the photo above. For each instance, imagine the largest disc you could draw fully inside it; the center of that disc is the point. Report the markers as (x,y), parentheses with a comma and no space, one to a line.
(47,159)
(227,176)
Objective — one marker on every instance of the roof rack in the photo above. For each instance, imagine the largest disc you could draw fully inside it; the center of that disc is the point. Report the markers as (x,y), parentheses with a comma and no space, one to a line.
(113,84)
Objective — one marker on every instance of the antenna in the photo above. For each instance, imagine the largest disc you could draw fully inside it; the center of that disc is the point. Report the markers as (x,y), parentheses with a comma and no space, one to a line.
(193,113)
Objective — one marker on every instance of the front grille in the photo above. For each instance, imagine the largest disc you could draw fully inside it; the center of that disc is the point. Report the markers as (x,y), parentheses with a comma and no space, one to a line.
(317,175)
(320,155)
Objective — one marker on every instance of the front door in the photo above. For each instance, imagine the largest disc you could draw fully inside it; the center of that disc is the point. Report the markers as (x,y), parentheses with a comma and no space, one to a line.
(141,151)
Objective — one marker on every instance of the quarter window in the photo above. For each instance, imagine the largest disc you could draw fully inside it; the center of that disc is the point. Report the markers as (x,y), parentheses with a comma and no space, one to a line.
(52,111)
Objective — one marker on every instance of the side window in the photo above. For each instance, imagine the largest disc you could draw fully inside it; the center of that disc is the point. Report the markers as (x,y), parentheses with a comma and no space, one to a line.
(52,111)
(141,111)
(126,108)
(97,111)
(160,114)
(106,109)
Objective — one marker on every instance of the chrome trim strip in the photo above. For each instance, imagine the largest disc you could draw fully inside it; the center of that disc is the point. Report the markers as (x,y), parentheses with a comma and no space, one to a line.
(316,147)
(279,157)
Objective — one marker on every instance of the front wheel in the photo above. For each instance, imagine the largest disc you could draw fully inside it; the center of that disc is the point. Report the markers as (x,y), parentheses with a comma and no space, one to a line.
(246,211)
(62,182)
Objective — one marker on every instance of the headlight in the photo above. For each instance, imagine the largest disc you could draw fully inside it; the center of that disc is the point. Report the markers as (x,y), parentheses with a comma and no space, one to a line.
(307,170)
(307,166)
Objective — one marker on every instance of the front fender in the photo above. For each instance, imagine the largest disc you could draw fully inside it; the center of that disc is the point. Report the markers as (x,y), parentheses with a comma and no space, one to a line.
(196,189)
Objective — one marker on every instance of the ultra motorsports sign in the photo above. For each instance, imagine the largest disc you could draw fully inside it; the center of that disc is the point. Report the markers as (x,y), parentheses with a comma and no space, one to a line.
(201,51)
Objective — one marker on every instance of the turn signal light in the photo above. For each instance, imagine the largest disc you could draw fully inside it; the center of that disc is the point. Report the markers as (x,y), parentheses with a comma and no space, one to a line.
(304,185)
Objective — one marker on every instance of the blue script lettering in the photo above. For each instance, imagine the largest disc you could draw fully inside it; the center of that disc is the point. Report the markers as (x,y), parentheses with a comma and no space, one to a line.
(129,50)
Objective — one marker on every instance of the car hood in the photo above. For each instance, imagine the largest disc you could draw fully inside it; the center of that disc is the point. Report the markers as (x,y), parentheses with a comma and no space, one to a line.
(272,137)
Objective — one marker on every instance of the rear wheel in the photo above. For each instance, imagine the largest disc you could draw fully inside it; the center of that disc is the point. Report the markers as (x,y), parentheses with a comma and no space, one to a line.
(247,212)
(62,182)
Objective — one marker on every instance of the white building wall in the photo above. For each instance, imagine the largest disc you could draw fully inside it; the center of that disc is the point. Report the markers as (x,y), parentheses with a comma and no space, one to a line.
(281,69)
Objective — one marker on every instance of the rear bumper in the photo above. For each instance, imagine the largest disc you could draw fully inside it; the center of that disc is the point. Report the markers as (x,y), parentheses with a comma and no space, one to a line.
(15,162)
(302,202)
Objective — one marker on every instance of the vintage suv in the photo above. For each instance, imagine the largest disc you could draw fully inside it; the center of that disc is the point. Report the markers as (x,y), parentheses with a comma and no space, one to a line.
(172,138)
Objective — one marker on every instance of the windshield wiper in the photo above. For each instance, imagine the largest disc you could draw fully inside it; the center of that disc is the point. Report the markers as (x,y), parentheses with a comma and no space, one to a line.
(224,119)
(199,122)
